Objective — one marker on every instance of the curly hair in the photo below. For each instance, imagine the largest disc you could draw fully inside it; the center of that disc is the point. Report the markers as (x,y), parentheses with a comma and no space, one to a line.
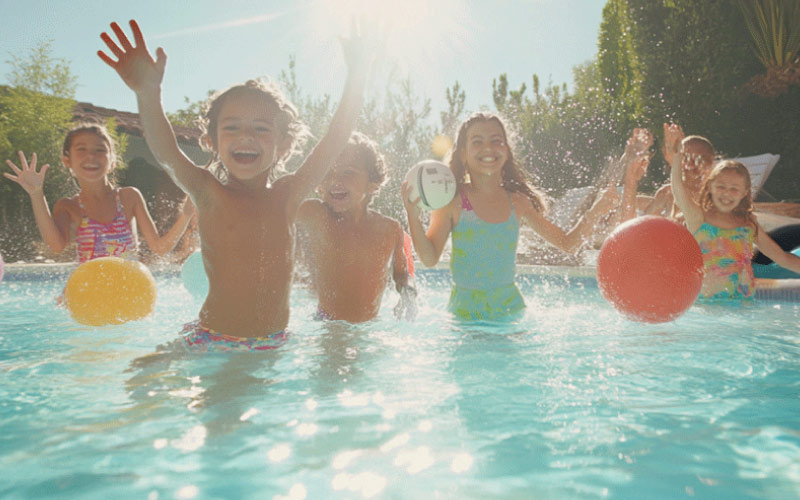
(287,120)
(514,179)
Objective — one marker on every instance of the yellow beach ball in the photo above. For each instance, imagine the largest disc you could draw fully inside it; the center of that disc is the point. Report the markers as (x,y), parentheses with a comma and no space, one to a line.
(110,291)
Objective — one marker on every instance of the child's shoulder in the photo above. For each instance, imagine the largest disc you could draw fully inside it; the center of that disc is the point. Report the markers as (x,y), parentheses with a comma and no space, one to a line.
(383,223)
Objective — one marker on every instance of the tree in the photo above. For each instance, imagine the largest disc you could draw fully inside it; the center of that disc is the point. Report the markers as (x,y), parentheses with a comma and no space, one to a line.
(35,110)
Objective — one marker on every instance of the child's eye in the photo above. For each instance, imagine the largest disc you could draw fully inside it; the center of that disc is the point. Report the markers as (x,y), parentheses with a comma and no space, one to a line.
(263,129)
(230,128)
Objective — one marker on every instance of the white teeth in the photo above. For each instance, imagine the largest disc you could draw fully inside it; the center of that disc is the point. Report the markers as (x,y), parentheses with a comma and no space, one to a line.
(488,159)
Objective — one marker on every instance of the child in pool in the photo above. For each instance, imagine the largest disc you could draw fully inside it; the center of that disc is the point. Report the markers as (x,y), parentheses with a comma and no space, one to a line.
(722,222)
(351,248)
(102,218)
(246,222)
(492,198)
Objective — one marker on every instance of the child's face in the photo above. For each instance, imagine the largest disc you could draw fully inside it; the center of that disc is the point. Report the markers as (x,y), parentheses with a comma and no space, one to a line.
(696,164)
(89,157)
(728,189)
(347,186)
(486,151)
(248,140)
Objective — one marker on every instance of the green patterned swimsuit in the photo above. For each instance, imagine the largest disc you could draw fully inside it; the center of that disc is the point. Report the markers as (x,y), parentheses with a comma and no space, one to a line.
(483,267)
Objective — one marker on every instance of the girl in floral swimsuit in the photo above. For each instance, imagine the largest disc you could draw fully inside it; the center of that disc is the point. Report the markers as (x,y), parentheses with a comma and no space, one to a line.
(723,223)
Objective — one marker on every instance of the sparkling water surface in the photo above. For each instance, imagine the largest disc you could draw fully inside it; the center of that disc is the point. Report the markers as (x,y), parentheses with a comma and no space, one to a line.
(573,402)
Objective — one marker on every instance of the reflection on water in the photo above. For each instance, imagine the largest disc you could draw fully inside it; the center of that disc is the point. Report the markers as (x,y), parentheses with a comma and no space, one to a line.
(572,401)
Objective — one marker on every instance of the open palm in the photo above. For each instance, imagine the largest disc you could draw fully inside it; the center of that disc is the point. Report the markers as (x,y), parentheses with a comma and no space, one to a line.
(134,64)
(27,176)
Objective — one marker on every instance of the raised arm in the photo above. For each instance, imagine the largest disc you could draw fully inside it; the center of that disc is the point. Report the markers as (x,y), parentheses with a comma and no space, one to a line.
(53,228)
(692,213)
(571,241)
(160,244)
(636,158)
(143,74)
(357,53)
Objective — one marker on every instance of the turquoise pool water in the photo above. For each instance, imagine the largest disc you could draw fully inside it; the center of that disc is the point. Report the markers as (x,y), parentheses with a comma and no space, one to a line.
(572,402)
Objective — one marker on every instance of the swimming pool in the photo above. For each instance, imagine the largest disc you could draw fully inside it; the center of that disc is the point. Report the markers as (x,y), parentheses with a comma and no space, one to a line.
(571,402)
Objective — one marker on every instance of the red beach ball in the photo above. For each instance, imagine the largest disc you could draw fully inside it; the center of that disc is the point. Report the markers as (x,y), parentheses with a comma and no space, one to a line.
(650,269)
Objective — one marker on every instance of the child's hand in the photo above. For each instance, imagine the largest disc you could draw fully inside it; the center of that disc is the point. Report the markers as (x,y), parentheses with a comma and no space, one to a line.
(359,47)
(406,307)
(412,206)
(27,176)
(673,135)
(639,142)
(135,65)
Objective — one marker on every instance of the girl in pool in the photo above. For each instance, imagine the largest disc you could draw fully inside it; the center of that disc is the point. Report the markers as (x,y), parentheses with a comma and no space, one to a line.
(246,221)
(722,221)
(492,198)
(101,217)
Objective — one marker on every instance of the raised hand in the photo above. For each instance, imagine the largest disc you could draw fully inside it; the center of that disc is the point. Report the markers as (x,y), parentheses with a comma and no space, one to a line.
(134,64)
(412,207)
(27,176)
(359,47)
(673,135)
(639,142)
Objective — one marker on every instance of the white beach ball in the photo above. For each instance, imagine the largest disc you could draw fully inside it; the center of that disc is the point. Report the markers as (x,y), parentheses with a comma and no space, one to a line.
(433,182)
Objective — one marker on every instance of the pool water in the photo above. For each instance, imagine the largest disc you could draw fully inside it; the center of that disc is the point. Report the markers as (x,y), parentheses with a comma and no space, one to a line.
(571,402)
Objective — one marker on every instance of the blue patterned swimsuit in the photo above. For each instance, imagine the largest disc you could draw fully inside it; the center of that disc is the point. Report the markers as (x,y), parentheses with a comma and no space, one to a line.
(483,267)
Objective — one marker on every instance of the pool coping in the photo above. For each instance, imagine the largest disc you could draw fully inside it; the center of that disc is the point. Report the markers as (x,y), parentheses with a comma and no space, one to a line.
(787,290)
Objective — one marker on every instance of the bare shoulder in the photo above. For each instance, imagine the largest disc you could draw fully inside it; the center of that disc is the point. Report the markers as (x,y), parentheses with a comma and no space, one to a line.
(71,205)
(310,210)
(129,195)
(523,205)
(385,224)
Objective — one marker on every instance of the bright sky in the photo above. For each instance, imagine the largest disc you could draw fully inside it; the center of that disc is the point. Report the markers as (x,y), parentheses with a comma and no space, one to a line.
(211,44)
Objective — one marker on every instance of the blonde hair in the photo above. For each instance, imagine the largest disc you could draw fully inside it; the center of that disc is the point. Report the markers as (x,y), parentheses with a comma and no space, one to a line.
(514,179)
(745,207)
(287,120)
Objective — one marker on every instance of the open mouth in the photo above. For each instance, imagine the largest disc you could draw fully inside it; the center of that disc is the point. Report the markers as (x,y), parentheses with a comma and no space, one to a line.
(245,156)
(338,195)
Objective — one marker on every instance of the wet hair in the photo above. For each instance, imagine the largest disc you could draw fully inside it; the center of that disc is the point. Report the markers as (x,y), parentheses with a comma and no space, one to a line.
(514,179)
(100,131)
(745,207)
(367,153)
(287,120)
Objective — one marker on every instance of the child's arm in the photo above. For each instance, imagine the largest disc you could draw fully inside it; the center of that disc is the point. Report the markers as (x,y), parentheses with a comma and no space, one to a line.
(429,245)
(160,244)
(406,307)
(357,54)
(570,241)
(142,74)
(771,249)
(692,213)
(637,158)
(53,228)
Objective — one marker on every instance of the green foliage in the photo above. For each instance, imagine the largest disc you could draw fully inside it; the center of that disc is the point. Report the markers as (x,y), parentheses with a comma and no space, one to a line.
(189,116)
(774,26)
(34,113)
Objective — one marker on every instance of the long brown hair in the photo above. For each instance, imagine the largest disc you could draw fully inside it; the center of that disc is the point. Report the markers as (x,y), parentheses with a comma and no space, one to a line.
(100,131)
(514,179)
(745,207)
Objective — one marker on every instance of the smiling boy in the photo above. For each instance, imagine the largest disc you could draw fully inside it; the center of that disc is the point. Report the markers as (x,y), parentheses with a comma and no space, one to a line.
(350,248)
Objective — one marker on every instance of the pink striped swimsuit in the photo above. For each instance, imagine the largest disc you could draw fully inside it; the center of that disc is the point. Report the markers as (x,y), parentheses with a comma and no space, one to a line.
(115,239)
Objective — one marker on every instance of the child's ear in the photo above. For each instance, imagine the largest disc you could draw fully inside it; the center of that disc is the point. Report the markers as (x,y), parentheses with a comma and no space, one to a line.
(284,147)
(206,140)
(65,161)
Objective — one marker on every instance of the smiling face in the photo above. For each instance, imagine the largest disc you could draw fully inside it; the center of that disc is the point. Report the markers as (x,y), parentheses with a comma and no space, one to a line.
(347,185)
(486,151)
(728,189)
(89,157)
(248,140)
